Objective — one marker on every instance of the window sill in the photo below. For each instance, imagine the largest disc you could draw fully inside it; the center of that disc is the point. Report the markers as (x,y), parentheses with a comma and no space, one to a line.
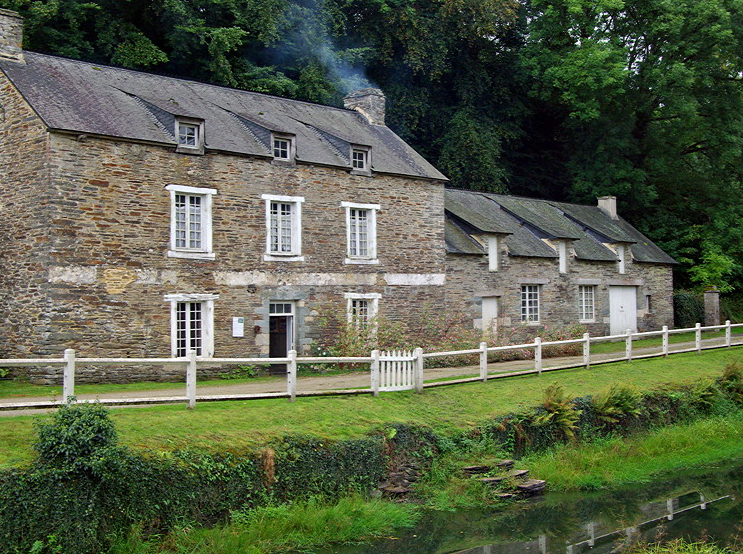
(361,261)
(586,321)
(282,258)
(194,150)
(191,255)
(364,172)
(531,323)
(284,162)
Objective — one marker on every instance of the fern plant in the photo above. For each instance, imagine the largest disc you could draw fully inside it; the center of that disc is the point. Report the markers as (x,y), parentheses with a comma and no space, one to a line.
(616,403)
(559,412)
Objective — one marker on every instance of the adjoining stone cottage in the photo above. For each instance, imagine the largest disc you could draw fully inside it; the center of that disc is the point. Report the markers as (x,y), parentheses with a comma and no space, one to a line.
(146,215)
(521,261)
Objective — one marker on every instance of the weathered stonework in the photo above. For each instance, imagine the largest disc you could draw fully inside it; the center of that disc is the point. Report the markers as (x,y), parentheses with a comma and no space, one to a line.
(469,280)
(88,268)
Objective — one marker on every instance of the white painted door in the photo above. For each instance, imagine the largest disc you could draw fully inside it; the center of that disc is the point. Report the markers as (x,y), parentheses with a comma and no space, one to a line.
(622,309)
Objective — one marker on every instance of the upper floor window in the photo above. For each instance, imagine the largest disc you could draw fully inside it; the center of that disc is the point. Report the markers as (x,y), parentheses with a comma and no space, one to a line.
(586,302)
(190,136)
(530,303)
(283,227)
(282,147)
(360,159)
(361,233)
(190,222)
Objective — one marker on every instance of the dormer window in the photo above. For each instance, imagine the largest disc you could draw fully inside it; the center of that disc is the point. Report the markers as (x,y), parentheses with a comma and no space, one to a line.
(282,148)
(360,160)
(190,136)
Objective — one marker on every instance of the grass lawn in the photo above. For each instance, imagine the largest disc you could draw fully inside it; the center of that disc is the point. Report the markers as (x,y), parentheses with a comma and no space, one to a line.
(238,426)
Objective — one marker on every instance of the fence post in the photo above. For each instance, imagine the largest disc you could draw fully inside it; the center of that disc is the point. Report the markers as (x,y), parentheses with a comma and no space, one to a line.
(191,379)
(699,337)
(665,340)
(587,350)
(418,368)
(68,376)
(291,375)
(538,355)
(628,345)
(728,334)
(375,372)
(484,362)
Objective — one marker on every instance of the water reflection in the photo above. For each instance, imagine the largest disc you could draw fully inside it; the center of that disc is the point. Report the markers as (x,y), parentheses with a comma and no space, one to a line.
(577,523)
(600,536)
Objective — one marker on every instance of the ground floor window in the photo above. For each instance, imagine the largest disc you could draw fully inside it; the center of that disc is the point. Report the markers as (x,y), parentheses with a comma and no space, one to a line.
(362,308)
(530,303)
(586,302)
(192,324)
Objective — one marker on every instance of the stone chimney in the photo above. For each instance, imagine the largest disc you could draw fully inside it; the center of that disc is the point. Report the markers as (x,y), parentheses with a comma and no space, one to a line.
(369,102)
(11,36)
(608,205)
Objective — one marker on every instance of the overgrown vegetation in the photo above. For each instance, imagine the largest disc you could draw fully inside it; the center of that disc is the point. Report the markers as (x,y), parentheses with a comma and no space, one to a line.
(680,546)
(435,331)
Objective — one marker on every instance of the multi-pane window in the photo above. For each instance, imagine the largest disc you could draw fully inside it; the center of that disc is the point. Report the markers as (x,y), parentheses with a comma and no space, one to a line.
(362,308)
(360,159)
(361,231)
(281,148)
(358,230)
(586,302)
(190,225)
(359,311)
(530,303)
(189,328)
(281,227)
(192,322)
(283,222)
(188,221)
(188,135)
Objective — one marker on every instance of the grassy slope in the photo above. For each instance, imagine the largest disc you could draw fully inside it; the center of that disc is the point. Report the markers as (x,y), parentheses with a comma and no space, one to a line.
(241,425)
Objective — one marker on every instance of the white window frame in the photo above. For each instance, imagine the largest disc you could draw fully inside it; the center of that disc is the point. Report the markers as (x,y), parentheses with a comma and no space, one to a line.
(372,300)
(562,253)
(584,305)
(371,239)
(198,127)
(360,159)
(622,258)
(531,304)
(295,255)
(289,140)
(207,321)
(205,252)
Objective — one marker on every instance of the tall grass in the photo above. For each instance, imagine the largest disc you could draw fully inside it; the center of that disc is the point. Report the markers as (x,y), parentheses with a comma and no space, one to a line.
(680,546)
(617,461)
(284,528)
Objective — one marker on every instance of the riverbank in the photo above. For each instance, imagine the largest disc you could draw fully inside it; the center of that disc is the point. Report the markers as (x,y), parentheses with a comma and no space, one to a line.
(85,489)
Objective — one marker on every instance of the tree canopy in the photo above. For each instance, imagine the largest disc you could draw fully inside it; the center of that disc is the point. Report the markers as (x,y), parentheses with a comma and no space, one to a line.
(561,99)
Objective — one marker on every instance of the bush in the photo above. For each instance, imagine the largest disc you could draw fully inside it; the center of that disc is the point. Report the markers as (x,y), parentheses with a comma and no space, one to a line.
(688,309)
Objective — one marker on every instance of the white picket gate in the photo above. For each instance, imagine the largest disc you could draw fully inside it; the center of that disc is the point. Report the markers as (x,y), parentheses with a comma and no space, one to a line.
(396,370)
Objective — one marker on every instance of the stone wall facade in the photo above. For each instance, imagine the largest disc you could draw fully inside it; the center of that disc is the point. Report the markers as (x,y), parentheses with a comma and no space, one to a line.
(469,281)
(86,262)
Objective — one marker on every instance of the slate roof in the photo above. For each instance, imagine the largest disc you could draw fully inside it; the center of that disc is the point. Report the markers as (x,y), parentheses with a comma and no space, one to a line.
(86,98)
(524,222)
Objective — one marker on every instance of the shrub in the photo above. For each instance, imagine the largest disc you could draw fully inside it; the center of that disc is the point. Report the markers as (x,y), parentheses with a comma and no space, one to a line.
(617,403)
(688,309)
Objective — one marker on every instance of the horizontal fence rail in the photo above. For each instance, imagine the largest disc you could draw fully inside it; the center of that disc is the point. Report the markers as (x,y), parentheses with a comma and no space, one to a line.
(388,371)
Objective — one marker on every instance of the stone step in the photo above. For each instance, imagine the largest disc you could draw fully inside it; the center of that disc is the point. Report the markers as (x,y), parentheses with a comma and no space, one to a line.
(505,464)
(531,487)
(474,470)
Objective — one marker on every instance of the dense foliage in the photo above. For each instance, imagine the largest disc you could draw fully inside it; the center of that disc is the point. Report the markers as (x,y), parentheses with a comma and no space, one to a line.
(562,99)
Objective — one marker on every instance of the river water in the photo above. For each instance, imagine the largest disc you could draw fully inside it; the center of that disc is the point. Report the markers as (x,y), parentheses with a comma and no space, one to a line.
(701,504)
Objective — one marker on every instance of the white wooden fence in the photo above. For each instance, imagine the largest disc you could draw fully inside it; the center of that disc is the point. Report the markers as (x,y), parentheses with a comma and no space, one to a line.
(389,371)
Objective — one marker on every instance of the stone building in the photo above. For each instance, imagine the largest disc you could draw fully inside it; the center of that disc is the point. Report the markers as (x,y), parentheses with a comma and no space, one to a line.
(523,262)
(146,215)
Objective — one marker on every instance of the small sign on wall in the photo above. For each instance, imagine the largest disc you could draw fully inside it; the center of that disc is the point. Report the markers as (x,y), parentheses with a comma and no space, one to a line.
(238,326)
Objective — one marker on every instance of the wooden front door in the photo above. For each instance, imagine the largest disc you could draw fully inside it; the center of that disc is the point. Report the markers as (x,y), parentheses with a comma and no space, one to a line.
(622,309)
(281,332)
